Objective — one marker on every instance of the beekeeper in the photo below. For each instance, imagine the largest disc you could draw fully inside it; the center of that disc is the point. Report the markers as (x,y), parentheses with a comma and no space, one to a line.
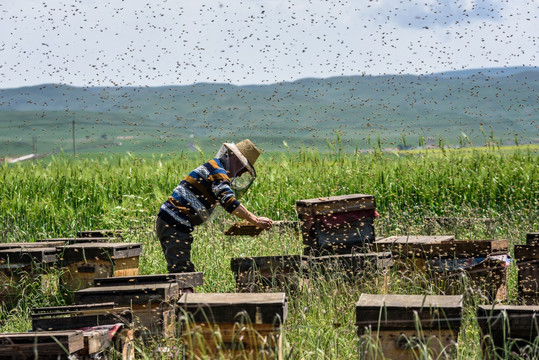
(220,180)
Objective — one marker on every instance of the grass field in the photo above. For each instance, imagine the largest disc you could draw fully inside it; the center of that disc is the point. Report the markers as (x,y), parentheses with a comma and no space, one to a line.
(58,196)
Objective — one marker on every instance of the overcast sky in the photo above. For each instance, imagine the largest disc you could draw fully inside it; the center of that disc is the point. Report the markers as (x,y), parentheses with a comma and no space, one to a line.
(177,42)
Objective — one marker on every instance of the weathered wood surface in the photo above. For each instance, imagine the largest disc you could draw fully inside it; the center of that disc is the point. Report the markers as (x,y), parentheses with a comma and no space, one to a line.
(269,308)
(441,247)
(284,263)
(81,274)
(532,239)
(507,327)
(527,260)
(81,240)
(399,311)
(104,251)
(100,233)
(126,295)
(46,343)
(184,280)
(406,344)
(335,204)
(96,341)
(40,244)
(17,257)
(79,316)
(244,228)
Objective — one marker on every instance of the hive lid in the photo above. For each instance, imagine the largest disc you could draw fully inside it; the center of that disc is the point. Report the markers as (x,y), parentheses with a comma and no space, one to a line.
(335,204)
(184,280)
(260,308)
(404,311)
(104,251)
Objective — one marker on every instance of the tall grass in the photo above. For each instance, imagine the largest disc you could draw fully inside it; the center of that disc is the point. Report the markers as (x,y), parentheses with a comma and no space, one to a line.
(58,196)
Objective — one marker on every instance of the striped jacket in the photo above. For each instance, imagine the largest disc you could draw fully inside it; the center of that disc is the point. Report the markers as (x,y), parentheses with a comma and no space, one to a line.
(193,201)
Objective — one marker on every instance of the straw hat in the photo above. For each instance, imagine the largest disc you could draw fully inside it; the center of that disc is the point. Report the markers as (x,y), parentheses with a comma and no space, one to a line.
(246,151)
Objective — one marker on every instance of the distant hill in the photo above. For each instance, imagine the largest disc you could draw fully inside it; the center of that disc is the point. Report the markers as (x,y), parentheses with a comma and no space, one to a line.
(469,106)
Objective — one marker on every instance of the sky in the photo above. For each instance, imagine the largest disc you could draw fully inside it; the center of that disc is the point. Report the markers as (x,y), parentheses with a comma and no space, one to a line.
(153,43)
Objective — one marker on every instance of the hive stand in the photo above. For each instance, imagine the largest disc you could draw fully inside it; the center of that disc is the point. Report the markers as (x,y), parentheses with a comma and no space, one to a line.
(337,224)
(238,325)
(509,331)
(443,260)
(399,326)
(82,263)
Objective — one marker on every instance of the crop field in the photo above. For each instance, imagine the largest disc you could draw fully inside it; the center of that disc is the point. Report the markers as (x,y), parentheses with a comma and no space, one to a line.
(58,196)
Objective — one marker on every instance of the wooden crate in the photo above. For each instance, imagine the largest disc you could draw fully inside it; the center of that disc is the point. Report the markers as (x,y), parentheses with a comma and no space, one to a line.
(532,239)
(184,280)
(44,344)
(527,260)
(82,263)
(350,265)
(337,222)
(22,267)
(509,331)
(152,305)
(263,273)
(79,316)
(246,325)
(400,325)
(444,261)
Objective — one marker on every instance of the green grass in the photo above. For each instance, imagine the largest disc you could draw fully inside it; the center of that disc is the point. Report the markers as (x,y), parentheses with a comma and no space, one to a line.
(59,196)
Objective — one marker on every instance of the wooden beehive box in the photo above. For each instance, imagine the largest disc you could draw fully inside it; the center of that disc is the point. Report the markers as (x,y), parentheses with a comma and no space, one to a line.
(104,325)
(527,260)
(264,273)
(184,281)
(82,263)
(444,260)
(21,267)
(532,238)
(350,265)
(337,223)
(247,325)
(75,317)
(152,305)
(400,325)
(41,345)
(509,331)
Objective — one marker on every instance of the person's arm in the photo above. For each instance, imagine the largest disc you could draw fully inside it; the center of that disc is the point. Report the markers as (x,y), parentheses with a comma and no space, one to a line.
(244,214)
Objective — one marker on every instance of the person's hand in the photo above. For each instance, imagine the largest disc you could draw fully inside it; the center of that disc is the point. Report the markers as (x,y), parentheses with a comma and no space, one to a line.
(263,222)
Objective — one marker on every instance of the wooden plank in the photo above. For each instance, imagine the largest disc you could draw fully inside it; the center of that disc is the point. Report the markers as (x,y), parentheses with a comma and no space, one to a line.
(96,341)
(184,280)
(244,228)
(225,307)
(44,255)
(447,248)
(399,311)
(287,263)
(26,345)
(43,244)
(103,251)
(532,238)
(82,240)
(335,204)
(79,316)
(128,295)
(350,264)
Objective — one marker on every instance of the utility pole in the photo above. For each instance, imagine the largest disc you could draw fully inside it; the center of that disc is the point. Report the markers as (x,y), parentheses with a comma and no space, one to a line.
(73,130)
